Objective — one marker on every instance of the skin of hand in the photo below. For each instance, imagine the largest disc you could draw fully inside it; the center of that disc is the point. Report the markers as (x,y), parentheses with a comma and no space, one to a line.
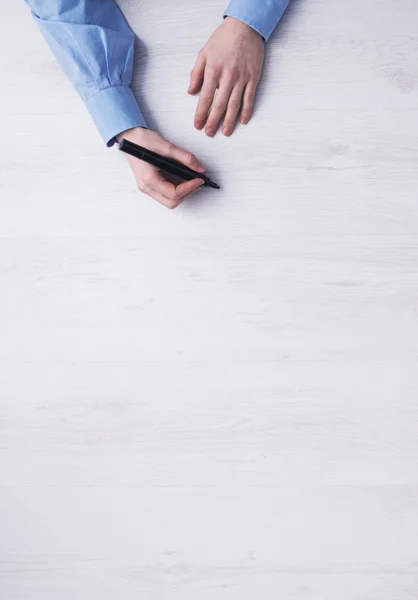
(231,62)
(163,187)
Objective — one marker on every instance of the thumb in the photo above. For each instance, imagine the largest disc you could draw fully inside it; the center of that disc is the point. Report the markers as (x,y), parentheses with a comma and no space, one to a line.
(196,76)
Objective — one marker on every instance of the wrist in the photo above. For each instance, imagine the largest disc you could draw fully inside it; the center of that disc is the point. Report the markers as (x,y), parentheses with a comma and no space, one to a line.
(135,132)
(239,25)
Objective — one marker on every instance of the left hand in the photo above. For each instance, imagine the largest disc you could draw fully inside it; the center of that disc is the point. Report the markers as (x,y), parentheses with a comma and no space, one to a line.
(231,62)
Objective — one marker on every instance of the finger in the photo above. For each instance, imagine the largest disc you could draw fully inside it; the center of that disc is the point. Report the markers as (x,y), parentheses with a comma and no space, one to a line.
(218,107)
(178,196)
(175,192)
(163,187)
(210,84)
(184,157)
(188,187)
(234,105)
(160,198)
(248,102)
(196,76)
(152,183)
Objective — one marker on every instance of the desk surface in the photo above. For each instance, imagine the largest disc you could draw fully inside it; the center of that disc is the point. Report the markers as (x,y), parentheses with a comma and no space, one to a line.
(218,402)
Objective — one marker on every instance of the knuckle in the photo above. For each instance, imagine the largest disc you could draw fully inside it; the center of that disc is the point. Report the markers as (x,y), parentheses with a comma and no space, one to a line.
(206,102)
(213,70)
(257,77)
(231,73)
(171,204)
(146,180)
(234,105)
(219,106)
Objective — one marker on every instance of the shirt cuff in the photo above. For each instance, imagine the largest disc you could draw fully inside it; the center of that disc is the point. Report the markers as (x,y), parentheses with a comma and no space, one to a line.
(114,109)
(261,15)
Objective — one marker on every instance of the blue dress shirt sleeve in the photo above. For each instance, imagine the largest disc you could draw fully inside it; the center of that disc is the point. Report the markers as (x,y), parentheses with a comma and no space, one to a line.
(261,15)
(94,45)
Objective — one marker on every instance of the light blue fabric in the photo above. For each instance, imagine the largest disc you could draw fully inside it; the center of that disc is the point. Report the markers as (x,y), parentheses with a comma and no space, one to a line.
(95,47)
(261,15)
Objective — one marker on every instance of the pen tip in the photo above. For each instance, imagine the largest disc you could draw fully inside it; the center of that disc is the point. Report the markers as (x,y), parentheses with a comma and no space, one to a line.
(212,184)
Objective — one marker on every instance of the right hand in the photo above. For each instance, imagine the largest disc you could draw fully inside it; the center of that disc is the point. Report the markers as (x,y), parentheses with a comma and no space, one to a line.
(153,182)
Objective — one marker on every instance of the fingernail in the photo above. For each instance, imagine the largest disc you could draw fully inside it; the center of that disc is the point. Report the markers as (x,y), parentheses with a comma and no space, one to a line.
(201,168)
(210,132)
(226,131)
(198,125)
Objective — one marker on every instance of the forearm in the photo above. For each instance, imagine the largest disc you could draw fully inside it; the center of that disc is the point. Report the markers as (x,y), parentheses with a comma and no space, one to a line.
(261,15)
(94,46)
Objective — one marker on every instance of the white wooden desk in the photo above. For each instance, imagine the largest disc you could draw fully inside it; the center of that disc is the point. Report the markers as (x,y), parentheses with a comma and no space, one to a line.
(220,402)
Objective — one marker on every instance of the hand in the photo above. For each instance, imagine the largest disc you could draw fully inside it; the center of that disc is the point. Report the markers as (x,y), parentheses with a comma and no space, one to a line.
(163,187)
(231,61)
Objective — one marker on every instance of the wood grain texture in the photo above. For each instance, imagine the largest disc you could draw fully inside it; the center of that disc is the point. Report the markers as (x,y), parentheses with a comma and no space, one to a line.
(218,402)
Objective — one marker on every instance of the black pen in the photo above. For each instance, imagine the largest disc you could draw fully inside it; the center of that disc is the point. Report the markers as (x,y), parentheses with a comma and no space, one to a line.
(164,163)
